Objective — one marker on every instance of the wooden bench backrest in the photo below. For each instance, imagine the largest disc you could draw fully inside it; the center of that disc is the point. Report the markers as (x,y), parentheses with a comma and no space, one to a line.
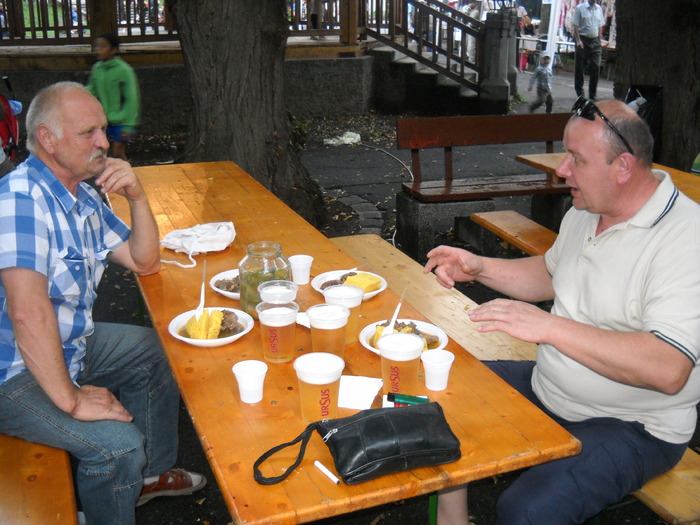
(447,132)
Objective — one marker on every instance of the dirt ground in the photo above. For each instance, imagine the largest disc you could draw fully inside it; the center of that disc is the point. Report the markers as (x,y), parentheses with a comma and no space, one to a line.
(119,301)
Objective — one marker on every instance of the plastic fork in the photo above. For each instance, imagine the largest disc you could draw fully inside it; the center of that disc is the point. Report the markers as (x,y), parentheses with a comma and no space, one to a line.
(390,328)
(200,308)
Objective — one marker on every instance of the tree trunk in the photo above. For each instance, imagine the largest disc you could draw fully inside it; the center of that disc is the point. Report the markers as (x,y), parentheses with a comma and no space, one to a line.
(658,44)
(234,56)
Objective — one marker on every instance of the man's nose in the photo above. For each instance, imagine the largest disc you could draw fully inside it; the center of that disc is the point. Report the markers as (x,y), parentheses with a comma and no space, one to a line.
(102,140)
(564,169)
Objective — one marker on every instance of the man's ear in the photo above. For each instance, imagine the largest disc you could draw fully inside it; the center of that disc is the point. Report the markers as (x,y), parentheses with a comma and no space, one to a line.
(626,163)
(46,137)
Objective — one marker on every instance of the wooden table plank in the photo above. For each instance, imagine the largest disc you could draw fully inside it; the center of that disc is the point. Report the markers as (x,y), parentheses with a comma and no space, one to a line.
(686,182)
(442,307)
(499,429)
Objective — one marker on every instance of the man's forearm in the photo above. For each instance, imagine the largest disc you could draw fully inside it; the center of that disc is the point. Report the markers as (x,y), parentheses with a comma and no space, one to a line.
(36,332)
(633,358)
(525,279)
(144,245)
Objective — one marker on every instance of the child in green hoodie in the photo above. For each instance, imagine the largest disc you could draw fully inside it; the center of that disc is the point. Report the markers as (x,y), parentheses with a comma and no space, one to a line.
(114,83)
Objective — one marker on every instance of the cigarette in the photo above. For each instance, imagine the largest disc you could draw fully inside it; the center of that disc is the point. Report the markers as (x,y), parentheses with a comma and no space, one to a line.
(327,472)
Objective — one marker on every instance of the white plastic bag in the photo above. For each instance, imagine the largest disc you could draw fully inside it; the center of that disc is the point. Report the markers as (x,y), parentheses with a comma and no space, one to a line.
(202,238)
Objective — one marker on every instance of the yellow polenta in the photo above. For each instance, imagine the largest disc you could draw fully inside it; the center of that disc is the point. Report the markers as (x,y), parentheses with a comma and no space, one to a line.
(207,327)
(366,281)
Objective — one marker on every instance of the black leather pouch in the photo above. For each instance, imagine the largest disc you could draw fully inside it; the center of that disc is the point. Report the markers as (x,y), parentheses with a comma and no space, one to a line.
(377,442)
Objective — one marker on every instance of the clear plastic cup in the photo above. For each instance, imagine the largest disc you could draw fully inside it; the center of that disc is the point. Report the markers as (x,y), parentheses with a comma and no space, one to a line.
(328,324)
(319,384)
(351,297)
(250,375)
(278,291)
(301,268)
(277,328)
(400,355)
(436,365)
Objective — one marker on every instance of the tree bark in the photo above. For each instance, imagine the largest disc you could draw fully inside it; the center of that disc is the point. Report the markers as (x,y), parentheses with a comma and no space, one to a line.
(234,56)
(658,44)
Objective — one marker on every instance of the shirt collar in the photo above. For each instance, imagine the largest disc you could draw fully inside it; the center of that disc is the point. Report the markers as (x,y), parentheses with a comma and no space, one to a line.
(84,203)
(659,204)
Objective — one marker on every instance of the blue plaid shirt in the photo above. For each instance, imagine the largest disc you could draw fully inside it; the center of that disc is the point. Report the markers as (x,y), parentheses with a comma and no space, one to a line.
(45,228)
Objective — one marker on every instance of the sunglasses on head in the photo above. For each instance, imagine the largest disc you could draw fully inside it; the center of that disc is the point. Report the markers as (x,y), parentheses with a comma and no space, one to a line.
(587,109)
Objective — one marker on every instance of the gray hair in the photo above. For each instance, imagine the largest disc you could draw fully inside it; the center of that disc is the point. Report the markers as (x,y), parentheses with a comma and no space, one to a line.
(43,110)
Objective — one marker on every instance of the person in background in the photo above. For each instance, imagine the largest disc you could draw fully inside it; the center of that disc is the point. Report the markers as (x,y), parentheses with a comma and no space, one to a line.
(542,76)
(114,83)
(103,392)
(617,361)
(587,23)
(473,10)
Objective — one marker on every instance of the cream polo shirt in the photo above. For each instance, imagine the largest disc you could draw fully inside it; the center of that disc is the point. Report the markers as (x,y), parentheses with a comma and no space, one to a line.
(640,275)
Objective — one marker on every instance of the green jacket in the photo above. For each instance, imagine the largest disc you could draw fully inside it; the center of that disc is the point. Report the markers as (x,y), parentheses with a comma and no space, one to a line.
(114,84)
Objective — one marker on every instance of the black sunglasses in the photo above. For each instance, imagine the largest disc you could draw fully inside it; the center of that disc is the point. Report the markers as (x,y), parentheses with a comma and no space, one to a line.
(587,109)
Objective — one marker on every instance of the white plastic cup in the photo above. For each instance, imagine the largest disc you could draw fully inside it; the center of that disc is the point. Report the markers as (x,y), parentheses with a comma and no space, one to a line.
(250,375)
(278,291)
(437,364)
(301,268)
(319,384)
(400,359)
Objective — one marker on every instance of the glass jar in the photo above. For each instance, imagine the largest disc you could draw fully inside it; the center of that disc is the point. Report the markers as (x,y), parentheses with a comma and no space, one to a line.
(264,262)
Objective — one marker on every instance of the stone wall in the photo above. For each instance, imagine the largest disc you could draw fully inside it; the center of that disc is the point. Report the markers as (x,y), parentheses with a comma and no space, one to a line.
(314,87)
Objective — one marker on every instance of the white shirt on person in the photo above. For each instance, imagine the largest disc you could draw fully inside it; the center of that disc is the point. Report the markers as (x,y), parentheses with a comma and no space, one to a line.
(640,275)
(588,19)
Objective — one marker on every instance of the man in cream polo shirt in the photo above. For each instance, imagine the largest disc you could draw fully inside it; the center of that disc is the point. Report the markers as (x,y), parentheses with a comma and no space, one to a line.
(617,362)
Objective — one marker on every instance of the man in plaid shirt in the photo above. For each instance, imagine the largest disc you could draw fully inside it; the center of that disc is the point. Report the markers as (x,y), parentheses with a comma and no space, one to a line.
(101,391)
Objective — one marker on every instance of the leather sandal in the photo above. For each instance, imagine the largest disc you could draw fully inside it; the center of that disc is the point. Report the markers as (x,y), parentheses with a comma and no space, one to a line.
(174,482)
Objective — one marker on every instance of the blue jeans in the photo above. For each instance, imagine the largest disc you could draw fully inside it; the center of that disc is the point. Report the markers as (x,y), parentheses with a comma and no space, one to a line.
(617,457)
(112,457)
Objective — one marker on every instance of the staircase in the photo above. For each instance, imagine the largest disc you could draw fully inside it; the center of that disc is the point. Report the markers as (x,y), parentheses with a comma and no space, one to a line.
(403,84)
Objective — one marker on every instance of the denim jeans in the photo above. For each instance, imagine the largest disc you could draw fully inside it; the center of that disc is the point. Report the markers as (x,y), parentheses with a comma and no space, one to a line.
(112,457)
(617,457)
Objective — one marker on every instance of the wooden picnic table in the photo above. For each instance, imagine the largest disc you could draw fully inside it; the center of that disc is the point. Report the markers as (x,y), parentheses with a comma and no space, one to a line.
(686,182)
(499,430)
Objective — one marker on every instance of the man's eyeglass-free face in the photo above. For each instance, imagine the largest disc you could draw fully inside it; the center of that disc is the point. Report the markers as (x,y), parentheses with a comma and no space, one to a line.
(587,109)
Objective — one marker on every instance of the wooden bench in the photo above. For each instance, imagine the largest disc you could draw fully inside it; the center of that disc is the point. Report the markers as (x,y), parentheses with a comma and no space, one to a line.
(36,484)
(675,496)
(517,230)
(424,205)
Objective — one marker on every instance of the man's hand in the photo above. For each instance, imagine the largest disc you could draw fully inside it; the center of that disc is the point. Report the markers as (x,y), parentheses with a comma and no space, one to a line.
(521,320)
(97,403)
(453,264)
(119,177)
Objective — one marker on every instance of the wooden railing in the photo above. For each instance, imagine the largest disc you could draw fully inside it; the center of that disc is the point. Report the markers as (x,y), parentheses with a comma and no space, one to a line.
(430,32)
(427,30)
(52,22)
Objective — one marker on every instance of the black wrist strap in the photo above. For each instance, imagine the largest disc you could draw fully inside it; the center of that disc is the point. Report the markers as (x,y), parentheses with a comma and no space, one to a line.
(303,437)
